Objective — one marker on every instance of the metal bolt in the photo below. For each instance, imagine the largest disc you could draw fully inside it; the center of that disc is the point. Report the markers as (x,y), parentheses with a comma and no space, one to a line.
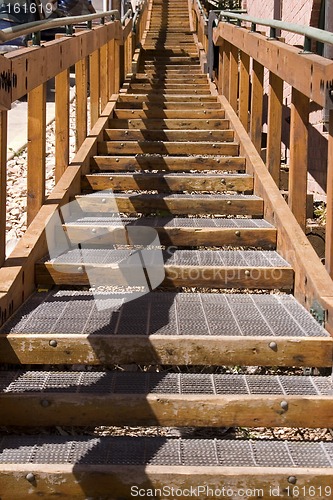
(247,272)
(132,111)
(110,178)
(217,161)
(284,405)
(122,144)
(53,343)
(207,121)
(273,346)
(223,181)
(292,480)
(45,403)
(117,159)
(237,233)
(103,200)
(205,111)
(93,230)
(129,121)
(136,97)
(126,132)
(30,477)
(80,269)
(228,202)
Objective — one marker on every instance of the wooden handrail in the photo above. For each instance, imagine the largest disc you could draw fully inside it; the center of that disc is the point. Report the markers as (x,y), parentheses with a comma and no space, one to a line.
(109,48)
(244,55)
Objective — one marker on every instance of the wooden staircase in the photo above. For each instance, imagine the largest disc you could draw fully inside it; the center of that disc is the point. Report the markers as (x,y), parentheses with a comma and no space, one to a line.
(168,165)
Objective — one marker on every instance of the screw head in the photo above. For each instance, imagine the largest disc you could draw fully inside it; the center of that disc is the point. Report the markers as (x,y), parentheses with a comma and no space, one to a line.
(247,272)
(103,200)
(45,403)
(110,178)
(292,479)
(30,477)
(53,343)
(80,269)
(228,202)
(237,233)
(93,230)
(117,159)
(273,346)
(284,405)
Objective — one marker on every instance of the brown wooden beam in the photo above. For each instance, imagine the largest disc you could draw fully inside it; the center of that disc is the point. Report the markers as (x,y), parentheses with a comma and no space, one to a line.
(256,104)
(62,123)
(275,101)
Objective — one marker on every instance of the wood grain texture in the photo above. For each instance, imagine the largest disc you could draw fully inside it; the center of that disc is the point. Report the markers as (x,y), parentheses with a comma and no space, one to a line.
(3,183)
(275,101)
(81,108)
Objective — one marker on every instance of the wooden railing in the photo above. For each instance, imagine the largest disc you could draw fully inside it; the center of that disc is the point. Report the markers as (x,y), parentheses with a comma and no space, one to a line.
(102,56)
(244,55)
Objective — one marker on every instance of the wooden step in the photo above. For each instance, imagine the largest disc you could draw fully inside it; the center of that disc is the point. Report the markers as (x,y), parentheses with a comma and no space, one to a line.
(165,329)
(182,232)
(128,97)
(187,136)
(207,114)
(91,466)
(170,124)
(168,183)
(157,105)
(167,163)
(183,268)
(28,398)
(167,148)
(159,91)
(177,204)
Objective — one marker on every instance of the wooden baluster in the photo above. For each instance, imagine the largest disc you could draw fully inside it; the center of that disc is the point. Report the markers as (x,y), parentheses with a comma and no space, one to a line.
(220,75)
(36,151)
(257,104)
(104,84)
(61,123)
(244,89)
(111,67)
(94,87)
(275,101)
(298,168)
(226,68)
(117,69)
(81,92)
(3,184)
(329,206)
(233,77)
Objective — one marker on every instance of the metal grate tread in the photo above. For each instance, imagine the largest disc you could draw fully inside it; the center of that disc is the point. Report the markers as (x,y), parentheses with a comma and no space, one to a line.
(215,258)
(164,451)
(103,382)
(167,313)
(195,222)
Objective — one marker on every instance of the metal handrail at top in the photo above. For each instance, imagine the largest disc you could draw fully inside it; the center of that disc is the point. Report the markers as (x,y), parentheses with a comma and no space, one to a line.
(8,34)
(308,32)
(127,15)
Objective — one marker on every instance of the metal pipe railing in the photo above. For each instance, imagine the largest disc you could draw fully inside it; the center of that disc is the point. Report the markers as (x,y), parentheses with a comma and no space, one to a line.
(308,32)
(127,15)
(8,34)
(202,10)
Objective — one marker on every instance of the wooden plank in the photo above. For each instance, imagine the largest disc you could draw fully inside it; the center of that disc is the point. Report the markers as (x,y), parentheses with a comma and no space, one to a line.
(169,124)
(165,349)
(329,206)
(298,170)
(3,184)
(169,148)
(62,123)
(103,75)
(168,135)
(256,104)
(275,102)
(94,90)
(186,236)
(181,410)
(36,151)
(268,278)
(165,98)
(169,163)
(180,205)
(117,67)
(111,66)
(233,77)
(168,183)
(244,89)
(81,109)
(226,69)
(169,113)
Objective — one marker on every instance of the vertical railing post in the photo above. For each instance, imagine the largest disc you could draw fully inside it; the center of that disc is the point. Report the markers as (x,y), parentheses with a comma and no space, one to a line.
(275,101)
(117,64)
(94,81)
(61,123)
(329,205)
(298,168)
(36,151)
(81,92)
(103,82)
(220,75)
(257,104)
(111,67)
(226,69)
(233,77)
(244,89)
(3,184)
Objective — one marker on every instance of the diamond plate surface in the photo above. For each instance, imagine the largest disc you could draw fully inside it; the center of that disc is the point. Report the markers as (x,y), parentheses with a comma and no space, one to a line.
(165,313)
